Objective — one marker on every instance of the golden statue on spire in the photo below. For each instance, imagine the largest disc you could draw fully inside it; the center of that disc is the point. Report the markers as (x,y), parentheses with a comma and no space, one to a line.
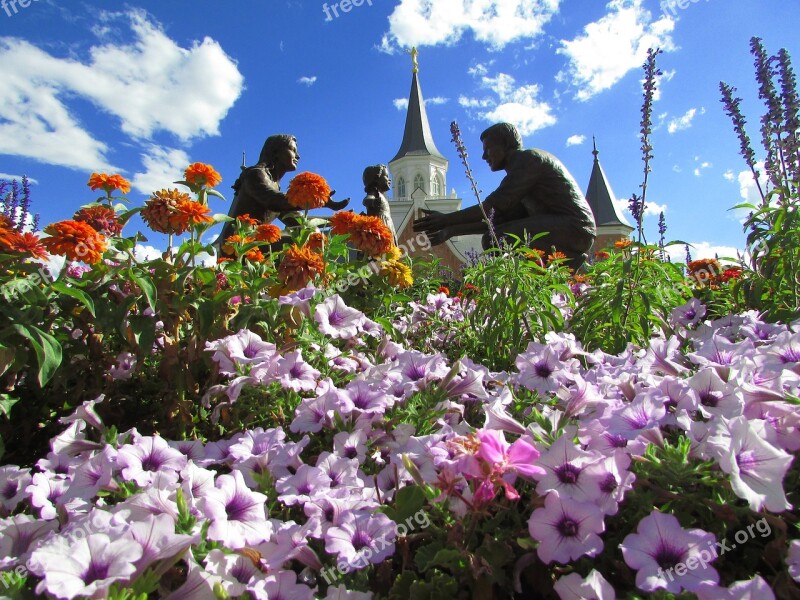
(414,64)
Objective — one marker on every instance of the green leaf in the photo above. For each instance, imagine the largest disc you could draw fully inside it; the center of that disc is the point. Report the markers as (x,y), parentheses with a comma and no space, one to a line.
(147,286)
(47,349)
(216,194)
(78,294)
(6,402)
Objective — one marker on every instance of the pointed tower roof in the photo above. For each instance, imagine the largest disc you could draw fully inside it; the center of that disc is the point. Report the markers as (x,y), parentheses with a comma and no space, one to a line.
(417,137)
(600,197)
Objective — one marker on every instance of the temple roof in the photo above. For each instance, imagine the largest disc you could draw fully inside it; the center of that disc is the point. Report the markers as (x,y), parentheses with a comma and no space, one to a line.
(600,197)
(417,137)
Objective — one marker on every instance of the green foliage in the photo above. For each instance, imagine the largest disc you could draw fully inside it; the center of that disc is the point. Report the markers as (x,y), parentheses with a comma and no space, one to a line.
(771,284)
(629,298)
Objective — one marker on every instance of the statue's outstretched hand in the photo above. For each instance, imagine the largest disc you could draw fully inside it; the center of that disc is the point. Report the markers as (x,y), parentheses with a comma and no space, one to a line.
(435,225)
(336,204)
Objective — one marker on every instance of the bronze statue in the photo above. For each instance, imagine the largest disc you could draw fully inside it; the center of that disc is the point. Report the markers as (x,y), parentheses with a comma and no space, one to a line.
(537,195)
(376,184)
(258,192)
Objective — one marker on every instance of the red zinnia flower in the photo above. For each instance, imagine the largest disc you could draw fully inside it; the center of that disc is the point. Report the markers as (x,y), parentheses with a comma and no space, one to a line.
(101,218)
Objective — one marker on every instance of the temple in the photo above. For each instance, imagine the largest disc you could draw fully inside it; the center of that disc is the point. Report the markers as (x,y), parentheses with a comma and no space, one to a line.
(419,176)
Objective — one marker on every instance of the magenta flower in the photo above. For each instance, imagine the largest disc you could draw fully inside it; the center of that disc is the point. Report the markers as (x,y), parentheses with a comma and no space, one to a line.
(86,568)
(566,529)
(541,371)
(237,515)
(575,587)
(124,367)
(664,555)
(338,320)
(361,539)
(140,462)
(688,315)
(505,461)
(93,475)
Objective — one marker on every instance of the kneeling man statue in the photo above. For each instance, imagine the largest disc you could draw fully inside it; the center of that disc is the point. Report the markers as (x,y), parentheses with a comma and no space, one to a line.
(537,195)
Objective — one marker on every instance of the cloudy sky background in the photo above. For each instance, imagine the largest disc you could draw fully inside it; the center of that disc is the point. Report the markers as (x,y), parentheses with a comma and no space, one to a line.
(145,88)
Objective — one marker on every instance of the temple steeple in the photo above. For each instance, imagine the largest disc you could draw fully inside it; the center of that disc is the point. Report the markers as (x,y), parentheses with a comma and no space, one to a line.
(417,137)
(600,196)
(611,225)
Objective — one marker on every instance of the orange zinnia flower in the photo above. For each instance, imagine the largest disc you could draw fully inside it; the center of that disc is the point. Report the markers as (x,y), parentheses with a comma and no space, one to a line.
(316,241)
(201,174)
(75,240)
(307,191)
(556,255)
(101,218)
(191,213)
(160,210)
(444,290)
(109,183)
(228,246)
(371,236)
(269,233)
(601,255)
(26,243)
(343,222)
(247,219)
(623,243)
(299,266)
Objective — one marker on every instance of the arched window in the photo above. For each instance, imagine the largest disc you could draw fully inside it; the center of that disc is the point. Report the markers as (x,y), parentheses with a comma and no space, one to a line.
(419,182)
(436,185)
(401,187)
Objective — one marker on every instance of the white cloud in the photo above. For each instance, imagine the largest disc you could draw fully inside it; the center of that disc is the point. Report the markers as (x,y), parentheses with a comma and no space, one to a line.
(685,121)
(162,167)
(729,175)
(308,81)
(576,140)
(149,85)
(652,209)
(698,170)
(493,22)
(612,46)
(145,252)
(748,190)
(402,103)
(517,105)
(9,177)
(700,250)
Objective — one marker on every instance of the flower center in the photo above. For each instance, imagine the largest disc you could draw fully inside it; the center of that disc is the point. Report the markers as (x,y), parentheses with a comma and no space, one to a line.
(567,527)
(710,398)
(609,484)
(668,557)
(568,473)
(361,540)
(95,572)
(543,370)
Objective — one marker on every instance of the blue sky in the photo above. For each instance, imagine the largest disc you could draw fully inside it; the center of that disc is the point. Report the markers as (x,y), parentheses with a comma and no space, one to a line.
(144,88)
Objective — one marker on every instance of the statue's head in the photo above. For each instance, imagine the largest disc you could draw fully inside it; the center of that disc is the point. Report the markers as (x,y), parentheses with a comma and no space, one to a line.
(498,141)
(504,134)
(274,146)
(376,176)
